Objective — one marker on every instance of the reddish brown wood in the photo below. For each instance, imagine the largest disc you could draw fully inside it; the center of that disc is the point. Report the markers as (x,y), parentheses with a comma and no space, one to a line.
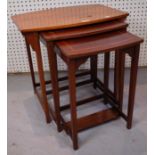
(31,65)
(95,119)
(72,92)
(83,31)
(93,66)
(78,84)
(43,87)
(111,98)
(118,41)
(34,38)
(76,51)
(106,74)
(87,46)
(116,75)
(132,86)
(121,78)
(66,17)
(66,77)
(81,102)
(54,82)
(80,32)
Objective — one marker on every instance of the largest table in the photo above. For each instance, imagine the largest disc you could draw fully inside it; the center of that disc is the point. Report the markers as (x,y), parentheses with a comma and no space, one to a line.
(64,23)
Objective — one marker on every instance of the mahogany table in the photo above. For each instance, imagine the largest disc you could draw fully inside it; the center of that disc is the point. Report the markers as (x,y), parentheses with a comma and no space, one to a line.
(62,22)
(74,52)
(49,38)
(97,25)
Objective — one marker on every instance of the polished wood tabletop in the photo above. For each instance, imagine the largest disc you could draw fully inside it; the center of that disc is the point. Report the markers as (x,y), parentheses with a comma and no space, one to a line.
(65,17)
(83,31)
(92,45)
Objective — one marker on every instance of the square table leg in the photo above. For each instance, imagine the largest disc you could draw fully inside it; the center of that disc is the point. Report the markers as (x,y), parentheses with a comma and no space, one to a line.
(31,65)
(132,86)
(54,82)
(72,92)
(119,77)
(106,74)
(116,75)
(93,68)
(33,40)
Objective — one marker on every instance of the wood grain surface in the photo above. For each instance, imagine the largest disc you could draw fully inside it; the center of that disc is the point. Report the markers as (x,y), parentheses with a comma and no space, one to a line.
(83,31)
(64,17)
(92,45)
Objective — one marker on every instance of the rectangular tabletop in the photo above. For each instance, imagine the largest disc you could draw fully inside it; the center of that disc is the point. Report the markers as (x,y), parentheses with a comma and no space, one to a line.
(65,17)
(86,46)
(83,31)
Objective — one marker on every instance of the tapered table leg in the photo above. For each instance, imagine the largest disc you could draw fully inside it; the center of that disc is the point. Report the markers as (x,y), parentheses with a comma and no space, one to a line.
(132,86)
(31,66)
(106,73)
(116,75)
(121,78)
(54,82)
(72,92)
(93,67)
(36,45)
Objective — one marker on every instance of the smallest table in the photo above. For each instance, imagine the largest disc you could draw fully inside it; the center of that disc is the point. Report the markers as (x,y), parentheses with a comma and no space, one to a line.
(75,52)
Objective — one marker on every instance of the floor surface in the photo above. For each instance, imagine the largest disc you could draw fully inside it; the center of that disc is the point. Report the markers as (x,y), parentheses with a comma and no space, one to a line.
(28,133)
